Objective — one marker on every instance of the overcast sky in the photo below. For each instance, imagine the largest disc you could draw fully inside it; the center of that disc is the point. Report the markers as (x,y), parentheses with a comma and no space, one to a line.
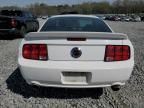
(49,2)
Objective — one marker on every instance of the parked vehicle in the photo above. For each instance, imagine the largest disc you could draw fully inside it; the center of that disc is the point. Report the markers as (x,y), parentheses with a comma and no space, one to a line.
(137,18)
(110,18)
(44,17)
(17,22)
(117,18)
(142,18)
(76,51)
(127,19)
(113,18)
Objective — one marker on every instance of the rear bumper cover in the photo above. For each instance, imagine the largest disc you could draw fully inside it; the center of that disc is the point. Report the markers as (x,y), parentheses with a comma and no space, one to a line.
(49,73)
(9,31)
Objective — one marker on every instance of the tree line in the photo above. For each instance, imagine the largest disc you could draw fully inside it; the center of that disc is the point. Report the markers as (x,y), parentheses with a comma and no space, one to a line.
(103,7)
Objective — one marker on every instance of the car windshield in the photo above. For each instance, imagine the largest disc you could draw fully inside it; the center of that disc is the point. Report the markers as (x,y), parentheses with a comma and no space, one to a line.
(86,24)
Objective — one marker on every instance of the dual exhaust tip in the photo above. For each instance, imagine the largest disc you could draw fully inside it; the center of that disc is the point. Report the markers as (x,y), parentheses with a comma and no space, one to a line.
(116,87)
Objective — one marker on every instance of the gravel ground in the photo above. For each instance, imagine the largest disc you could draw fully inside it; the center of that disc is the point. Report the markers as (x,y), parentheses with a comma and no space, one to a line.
(15,93)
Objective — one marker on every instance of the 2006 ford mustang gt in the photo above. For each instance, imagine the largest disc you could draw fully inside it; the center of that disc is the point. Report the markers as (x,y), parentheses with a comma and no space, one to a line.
(76,51)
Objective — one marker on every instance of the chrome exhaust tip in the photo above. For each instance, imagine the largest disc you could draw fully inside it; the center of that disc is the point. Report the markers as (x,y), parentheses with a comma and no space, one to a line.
(116,87)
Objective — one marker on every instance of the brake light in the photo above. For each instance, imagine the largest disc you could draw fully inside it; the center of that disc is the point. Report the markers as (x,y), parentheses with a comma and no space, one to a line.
(117,53)
(13,23)
(35,51)
(76,39)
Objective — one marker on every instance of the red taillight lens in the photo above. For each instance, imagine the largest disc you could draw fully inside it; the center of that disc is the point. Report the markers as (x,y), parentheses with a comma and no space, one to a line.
(27,51)
(35,51)
(13,23)
(117,53)
(43,52)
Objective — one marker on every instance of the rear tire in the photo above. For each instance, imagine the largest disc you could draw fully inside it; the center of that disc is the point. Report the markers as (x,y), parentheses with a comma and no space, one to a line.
(23,31)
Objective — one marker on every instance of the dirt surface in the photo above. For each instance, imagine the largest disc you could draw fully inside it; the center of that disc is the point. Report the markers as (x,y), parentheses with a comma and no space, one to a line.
(15,93)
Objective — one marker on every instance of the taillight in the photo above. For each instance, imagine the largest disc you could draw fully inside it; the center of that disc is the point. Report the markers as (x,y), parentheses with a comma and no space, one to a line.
(13,23)
(35,51)
(117,53)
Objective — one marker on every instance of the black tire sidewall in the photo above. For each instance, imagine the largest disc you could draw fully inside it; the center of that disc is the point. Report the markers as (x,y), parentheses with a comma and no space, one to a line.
(23,31)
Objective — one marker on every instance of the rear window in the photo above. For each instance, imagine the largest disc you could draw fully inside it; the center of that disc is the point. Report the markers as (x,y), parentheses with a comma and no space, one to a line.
(75,24)
(11,13)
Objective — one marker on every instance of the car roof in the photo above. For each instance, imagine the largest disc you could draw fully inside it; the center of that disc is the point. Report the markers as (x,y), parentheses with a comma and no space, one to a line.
(75,15)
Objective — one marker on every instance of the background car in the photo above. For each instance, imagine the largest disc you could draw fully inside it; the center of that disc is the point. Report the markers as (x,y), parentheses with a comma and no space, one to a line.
(17,22)
(44,17)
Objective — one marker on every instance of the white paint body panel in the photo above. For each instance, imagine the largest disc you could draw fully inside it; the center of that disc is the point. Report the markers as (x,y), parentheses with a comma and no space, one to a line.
(64,52)
(49,73)
(97,73)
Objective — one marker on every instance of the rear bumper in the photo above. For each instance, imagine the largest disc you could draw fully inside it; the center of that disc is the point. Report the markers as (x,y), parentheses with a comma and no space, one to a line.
(49,73)
(12,31)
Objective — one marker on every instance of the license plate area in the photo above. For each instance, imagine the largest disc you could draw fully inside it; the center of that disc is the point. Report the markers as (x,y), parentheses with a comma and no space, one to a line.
(76,77)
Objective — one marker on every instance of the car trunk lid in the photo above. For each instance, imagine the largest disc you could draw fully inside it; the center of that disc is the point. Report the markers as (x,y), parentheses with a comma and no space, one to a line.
(76,46)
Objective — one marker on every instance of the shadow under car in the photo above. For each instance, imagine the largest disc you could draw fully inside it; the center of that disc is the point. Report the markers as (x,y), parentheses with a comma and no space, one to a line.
(17,84)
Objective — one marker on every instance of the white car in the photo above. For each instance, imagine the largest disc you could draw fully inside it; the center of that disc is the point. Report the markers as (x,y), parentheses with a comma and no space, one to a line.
(76,51)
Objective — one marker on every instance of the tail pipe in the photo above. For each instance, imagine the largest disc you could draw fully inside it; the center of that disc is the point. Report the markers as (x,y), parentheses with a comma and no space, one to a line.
(117,86)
